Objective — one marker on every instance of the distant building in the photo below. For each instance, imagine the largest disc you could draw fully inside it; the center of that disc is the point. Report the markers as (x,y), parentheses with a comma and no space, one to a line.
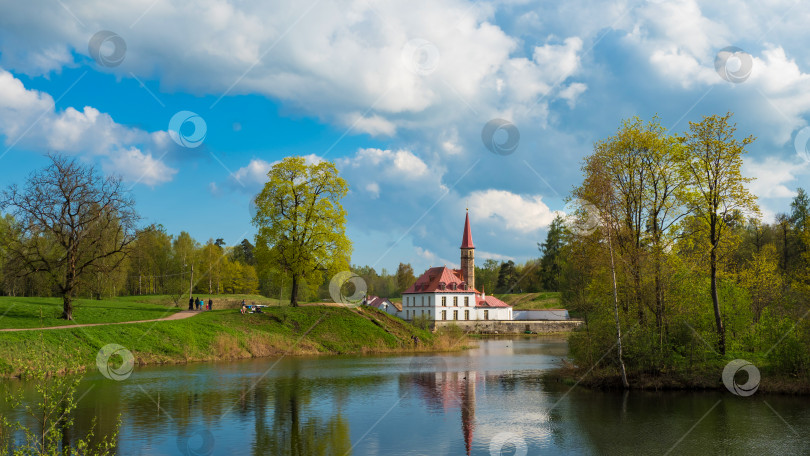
(442,293)
(382,304)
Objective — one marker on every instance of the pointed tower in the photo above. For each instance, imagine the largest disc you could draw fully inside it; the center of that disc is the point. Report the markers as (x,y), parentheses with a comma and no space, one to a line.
(468,255)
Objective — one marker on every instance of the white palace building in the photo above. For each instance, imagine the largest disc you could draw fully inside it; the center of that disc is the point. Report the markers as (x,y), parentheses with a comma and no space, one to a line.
(442,293)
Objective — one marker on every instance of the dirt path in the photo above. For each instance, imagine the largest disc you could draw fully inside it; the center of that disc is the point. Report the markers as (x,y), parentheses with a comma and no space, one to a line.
(175,316)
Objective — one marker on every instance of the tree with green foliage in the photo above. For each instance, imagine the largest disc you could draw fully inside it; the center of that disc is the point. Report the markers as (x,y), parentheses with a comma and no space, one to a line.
(486,275)
(244,253)
(71,221)
(507,278)
(405,277)
(551,249)
(301,223)
(717,188)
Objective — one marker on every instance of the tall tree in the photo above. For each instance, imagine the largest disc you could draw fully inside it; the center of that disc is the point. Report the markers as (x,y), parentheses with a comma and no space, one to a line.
(404,277)
(301,223)
(507,277)
(551,261)
(712,163)
(70,219)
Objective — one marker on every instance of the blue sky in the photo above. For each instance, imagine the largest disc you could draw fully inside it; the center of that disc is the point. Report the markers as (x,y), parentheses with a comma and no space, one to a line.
(397,95)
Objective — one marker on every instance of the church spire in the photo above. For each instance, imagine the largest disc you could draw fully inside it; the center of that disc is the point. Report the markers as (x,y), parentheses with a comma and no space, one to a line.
(468,254)
(466,240)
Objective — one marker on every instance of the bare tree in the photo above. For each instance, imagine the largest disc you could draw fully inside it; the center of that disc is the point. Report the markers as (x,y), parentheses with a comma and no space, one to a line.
(71,222)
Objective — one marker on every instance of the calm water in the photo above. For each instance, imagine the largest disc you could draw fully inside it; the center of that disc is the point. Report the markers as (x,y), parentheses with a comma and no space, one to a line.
(483,401)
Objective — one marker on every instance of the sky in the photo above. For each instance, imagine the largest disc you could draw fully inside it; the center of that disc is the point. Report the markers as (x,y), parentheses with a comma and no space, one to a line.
(427,108)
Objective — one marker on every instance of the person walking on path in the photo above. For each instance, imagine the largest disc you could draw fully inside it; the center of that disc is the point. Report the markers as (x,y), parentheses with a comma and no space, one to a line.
(197,303)
(190,303)
(210,303)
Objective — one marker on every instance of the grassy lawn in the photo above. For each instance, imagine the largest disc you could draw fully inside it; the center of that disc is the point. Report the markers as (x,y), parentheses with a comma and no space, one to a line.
(532,301)
(221,334)
(45,312)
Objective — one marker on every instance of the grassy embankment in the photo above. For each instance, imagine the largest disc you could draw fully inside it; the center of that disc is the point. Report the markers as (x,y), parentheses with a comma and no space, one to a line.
(215,335)
(532,301)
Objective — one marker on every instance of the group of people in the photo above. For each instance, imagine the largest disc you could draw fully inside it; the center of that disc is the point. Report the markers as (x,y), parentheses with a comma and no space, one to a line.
(198,303)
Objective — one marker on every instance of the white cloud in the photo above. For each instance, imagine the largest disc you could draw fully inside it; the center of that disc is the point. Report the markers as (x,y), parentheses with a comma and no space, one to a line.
(374,189)
(253,176)
(772,175)
(28,119)
(334,61)
(510,211)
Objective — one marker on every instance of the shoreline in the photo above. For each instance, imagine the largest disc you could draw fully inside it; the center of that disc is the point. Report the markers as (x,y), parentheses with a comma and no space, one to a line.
(610,380)
(224,335)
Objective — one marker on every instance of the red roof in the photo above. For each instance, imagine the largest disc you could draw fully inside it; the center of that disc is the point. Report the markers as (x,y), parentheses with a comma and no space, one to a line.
(377,302)
(430,281)
(432,278)
(490,301)
(466,241)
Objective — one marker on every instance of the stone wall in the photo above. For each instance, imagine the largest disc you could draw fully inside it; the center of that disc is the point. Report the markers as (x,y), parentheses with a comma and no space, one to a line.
(512,327)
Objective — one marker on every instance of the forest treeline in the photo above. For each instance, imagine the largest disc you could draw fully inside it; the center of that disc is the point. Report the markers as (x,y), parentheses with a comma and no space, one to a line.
(668,248)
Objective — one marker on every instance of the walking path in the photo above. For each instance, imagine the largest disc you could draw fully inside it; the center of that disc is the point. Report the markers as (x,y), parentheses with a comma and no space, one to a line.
(175,316)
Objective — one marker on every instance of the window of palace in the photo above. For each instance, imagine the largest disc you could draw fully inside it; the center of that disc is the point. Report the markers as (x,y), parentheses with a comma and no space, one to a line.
(444,300)
(455,301)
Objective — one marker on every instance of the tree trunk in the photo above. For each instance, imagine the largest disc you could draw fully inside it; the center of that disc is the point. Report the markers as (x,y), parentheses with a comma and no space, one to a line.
(718,319)
(67,307)
(625,383)
(294,293)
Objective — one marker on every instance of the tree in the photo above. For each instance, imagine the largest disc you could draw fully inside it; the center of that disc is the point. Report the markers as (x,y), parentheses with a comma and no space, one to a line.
(716,190)
(301,223)
(486,276)
(70,220)
(507,277)
(405,277)
(550,263)
(244,253)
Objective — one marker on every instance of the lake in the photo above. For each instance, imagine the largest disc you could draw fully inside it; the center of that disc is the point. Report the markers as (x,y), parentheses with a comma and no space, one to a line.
(484,401)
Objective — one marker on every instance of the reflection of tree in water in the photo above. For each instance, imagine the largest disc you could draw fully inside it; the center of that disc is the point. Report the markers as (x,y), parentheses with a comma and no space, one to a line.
(445,390)
(293,429)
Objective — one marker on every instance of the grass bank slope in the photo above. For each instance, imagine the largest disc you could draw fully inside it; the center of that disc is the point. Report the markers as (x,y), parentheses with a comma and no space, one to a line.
(532,301)
(222,335)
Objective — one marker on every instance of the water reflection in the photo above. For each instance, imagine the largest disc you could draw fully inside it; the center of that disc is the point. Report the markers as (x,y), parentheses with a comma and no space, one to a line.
(446,404)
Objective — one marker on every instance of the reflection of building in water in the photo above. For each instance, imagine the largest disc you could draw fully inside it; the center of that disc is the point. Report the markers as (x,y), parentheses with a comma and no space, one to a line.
(449,390)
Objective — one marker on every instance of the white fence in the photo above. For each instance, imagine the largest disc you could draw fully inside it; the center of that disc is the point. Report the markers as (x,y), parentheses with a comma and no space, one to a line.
(545,314)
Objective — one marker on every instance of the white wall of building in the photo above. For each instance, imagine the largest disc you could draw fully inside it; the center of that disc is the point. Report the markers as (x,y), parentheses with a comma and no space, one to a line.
(545,314)
(455,307)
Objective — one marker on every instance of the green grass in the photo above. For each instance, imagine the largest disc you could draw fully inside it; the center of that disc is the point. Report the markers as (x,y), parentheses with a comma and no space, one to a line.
(532,301)
(45,312)
(218,335)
